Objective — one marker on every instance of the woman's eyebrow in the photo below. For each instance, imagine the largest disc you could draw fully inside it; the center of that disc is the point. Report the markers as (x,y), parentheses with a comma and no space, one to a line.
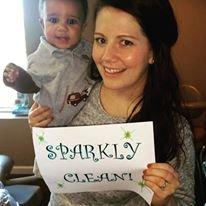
(127,36)
(98,33)
(119,36)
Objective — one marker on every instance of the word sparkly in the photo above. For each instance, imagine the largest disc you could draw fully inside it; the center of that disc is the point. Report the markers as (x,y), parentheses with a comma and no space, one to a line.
(93,152)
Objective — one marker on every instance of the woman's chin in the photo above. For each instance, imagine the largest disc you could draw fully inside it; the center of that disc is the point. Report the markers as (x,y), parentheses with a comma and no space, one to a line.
(113,85)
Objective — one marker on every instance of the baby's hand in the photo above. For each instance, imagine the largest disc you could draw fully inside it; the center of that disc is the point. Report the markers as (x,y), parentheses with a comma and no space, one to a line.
(11,73)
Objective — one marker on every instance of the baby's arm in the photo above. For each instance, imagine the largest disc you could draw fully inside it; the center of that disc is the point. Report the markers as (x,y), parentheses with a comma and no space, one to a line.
(18,79)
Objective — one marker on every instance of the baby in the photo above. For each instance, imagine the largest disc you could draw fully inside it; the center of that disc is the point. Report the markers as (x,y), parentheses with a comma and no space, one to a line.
(57,70)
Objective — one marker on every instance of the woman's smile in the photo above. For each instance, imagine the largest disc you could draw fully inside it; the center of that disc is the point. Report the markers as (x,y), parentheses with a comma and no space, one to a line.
(113,71)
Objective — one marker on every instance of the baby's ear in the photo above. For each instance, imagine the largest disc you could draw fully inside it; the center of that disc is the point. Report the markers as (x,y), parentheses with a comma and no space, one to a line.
(84,25)
(41,21)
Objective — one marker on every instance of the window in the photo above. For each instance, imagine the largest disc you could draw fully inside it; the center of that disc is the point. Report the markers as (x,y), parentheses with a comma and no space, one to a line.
(13,48)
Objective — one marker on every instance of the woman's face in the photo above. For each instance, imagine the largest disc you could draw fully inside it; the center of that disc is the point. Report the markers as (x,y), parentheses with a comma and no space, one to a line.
(120,50)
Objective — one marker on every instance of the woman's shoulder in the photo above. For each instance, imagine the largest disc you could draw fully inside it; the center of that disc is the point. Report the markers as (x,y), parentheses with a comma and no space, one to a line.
(181,121)
(187,137)
(95,90)
(183,126)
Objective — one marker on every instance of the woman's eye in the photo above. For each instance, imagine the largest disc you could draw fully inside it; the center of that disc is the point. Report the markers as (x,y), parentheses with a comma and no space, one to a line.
(126,43)
(100,40)
(53,20)
(73,21)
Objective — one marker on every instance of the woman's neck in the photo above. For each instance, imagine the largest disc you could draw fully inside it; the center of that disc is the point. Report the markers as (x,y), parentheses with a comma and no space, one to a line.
(119,103)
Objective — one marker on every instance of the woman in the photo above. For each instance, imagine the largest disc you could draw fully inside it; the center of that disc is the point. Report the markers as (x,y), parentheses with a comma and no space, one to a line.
(132,45)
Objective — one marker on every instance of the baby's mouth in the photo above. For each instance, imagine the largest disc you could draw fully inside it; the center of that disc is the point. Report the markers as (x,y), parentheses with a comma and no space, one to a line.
(61,38)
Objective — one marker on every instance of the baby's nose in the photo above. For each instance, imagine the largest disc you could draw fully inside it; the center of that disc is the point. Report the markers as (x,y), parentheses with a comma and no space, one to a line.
(62,27)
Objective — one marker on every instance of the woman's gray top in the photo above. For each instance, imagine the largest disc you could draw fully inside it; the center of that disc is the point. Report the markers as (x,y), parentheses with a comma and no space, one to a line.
(94,114)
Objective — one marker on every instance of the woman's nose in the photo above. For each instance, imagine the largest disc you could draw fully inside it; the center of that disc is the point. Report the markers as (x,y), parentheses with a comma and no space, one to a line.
(109,53)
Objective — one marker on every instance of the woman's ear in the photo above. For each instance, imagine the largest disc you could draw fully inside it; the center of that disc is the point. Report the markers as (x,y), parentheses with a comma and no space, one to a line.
(151,60)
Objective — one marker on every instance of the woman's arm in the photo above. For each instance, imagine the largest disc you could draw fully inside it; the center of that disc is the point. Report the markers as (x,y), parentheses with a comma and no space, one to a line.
(184,196)
(179,186)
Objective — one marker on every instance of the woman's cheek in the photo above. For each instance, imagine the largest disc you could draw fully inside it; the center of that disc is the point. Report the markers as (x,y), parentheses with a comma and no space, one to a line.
(94,52)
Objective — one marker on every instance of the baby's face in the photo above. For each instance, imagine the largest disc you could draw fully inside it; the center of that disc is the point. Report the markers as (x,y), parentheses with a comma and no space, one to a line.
(62,23)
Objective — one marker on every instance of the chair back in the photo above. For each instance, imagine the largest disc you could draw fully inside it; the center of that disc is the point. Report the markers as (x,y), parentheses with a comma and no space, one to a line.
(191,95)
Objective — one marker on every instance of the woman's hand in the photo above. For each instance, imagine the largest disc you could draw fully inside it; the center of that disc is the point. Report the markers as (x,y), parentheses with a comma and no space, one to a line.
(39,116)
(163,180)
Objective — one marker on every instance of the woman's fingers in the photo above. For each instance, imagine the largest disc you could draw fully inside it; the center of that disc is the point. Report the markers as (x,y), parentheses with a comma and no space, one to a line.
(33,107)
(44,123)
(164,166)
(158,183)
(163,170)
(162,179)
(39,116)
(40,112)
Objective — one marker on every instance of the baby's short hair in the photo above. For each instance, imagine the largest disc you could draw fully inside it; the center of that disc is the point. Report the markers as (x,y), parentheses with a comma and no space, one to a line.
(83,3)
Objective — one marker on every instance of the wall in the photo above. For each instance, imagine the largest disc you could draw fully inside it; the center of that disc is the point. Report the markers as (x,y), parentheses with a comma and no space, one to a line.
(16,141)
(189,54)
(190,50)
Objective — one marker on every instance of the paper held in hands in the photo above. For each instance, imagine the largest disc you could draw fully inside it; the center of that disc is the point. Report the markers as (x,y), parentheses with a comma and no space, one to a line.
(95,158)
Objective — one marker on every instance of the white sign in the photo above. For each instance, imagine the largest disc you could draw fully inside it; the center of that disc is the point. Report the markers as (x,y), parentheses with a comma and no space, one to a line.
(95,158)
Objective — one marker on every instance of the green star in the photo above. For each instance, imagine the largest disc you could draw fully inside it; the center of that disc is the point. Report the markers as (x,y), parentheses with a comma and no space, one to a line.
(41,138)
(127,134)
(141,184)
(60,185)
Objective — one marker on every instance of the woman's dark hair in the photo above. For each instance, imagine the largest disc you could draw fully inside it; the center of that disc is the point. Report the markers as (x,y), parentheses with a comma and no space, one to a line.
(83,4)
(161,102)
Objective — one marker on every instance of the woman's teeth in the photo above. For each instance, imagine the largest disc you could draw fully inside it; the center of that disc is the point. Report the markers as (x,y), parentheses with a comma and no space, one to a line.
(112,71)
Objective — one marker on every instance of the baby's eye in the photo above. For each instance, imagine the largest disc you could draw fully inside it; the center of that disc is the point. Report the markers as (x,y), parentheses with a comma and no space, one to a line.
(126,43)
(100,40)
(53,20)
(72,21)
